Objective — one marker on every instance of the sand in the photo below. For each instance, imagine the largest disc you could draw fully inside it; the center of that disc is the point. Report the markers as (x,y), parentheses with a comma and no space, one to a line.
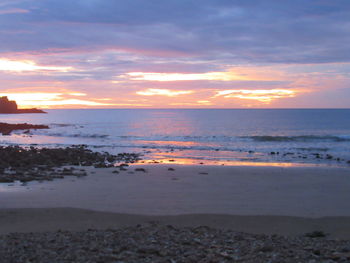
(72,219)
(280,200)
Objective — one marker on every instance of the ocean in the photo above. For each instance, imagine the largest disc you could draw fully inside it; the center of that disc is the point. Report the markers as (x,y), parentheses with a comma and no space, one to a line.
(212,136)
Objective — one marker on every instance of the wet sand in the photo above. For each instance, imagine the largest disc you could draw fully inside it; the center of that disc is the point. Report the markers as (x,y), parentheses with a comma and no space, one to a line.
(72,219)
(280,200)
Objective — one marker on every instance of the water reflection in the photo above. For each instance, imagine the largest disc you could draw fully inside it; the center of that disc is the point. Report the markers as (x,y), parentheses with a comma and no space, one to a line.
(188,161)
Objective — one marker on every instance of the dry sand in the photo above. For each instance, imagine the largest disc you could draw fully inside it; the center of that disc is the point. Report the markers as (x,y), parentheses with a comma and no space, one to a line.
(288,201)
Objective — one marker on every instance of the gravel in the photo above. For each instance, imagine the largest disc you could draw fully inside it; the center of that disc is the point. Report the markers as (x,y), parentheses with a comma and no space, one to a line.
(159,243)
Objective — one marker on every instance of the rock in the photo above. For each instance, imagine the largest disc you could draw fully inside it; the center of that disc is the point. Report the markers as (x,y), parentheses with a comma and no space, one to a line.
(28,164)
(329,157)
(8,106)
(316,234)
(266,249)
(157,243)
(6,128)
(140,170)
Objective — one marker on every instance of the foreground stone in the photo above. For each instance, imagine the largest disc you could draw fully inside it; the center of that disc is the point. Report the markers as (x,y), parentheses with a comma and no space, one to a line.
(28,164)
(155,243)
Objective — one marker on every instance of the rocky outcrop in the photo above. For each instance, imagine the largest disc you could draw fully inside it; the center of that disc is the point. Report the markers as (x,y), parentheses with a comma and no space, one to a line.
(29,164)
(10,107)
(7,128)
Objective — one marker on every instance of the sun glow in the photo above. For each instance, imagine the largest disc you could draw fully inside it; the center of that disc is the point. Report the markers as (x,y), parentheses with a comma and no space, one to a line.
(49,100)
(27,65)
(153,76)
(163,92)
(265,96)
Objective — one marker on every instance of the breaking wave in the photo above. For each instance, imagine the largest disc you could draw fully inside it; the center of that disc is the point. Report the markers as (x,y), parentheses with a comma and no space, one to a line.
(300,138)
(77,135)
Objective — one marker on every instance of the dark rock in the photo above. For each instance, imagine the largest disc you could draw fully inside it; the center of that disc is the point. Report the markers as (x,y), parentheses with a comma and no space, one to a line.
(329,157)
(6,128)
(316,234)
(28,164)
(266,249)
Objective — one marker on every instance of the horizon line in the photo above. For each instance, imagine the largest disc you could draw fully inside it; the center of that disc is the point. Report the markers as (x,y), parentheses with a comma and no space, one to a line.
(193,108)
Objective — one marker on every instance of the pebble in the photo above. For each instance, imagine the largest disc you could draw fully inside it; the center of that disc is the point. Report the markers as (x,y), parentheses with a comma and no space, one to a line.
(159,243)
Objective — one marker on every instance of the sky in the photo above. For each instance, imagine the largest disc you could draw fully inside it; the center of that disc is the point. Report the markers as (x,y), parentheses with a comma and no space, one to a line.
(175,54)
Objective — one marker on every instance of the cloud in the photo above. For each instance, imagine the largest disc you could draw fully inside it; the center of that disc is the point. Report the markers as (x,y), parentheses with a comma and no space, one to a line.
(223,76)
(265,96)
(50,99)
(291,31)
(163,92)
(19,66)
(13,11)
(128,53)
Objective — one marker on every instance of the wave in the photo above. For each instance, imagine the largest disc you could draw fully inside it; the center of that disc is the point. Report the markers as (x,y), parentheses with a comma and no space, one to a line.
(300,138)
(313,149)
(202,139)
(61,125)
(77,135)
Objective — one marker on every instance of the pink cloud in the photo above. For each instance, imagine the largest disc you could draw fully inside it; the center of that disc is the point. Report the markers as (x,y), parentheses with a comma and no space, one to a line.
(13,11)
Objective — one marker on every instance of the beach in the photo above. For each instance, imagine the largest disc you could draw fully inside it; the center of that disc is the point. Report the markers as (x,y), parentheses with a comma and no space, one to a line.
(263,207)
(199,192)
(132,189)
(174,131)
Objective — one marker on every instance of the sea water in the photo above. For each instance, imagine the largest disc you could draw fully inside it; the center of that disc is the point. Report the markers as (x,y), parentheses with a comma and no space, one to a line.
(312,136)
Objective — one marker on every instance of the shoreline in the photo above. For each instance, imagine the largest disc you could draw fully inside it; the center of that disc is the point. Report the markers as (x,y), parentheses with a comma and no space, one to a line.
(170,189)
(27,220)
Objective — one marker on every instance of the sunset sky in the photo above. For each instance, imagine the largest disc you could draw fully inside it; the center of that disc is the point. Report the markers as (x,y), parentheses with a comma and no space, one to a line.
(175,53)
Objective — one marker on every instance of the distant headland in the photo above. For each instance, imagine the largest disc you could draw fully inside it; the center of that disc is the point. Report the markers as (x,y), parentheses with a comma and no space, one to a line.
(10,107)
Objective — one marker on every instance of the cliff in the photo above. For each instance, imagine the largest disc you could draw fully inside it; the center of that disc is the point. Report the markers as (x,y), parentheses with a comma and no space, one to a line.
(9,106)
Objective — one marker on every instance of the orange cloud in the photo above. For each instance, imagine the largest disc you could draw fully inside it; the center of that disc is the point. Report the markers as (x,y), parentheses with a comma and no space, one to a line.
(265,96)
(27,65)
(156,76)
(48,100)
(197,103)
(163,92)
